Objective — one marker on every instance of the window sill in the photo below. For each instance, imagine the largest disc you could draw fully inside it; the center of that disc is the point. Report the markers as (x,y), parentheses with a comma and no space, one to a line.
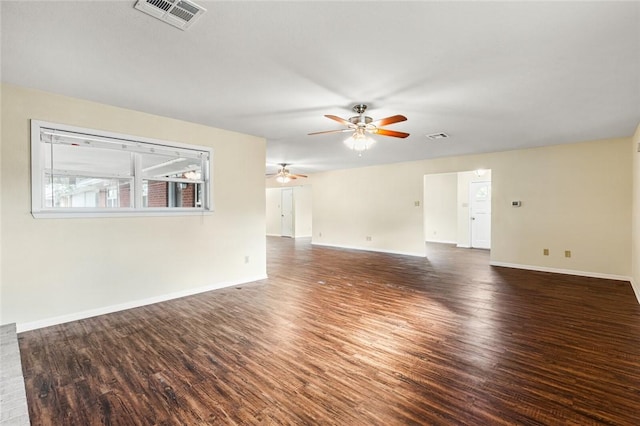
(64,214)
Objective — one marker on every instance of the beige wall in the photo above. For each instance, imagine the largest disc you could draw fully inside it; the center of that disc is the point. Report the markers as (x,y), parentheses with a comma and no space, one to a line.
(574,197)
(302,199)
(377,202)
(441,207)
(635,250)
(59,269)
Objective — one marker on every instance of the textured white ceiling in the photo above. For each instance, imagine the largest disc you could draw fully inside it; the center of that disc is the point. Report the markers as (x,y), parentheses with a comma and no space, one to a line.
(493,75)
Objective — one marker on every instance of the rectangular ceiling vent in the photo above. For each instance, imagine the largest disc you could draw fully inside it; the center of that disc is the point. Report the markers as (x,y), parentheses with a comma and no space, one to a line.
(438,136)
(179,13)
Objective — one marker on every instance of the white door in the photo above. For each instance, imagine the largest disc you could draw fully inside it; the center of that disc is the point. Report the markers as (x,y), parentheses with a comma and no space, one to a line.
(287,212)
(480,210)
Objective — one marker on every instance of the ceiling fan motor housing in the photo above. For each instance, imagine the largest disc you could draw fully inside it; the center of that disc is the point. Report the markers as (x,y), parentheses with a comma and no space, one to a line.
(360,119)
(360,108)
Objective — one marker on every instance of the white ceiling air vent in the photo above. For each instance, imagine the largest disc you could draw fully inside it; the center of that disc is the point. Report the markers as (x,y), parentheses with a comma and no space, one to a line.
(179,13)
(438,136)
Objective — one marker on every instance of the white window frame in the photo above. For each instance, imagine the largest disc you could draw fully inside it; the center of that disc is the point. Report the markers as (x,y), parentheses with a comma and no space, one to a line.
(38,168)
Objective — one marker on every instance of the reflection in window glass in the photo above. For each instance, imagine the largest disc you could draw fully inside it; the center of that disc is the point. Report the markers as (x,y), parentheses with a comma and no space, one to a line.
(83,192)
(82,158)
(156,166)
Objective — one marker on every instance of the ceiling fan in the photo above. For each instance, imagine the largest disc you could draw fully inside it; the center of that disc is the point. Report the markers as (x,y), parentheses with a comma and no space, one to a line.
(361,124)
(283,175)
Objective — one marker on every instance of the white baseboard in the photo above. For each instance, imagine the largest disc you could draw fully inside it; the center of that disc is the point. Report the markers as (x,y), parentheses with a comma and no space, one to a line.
(297,236)
(404,253)
(20,327)
(463,246)
(636,289)
(442,242)
(562,271)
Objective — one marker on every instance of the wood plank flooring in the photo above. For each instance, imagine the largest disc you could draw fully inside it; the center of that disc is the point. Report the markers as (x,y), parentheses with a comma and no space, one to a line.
(352,338)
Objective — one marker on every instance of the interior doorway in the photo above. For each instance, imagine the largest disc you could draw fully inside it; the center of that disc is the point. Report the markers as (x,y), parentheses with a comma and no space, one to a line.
(457,208)
(289,211)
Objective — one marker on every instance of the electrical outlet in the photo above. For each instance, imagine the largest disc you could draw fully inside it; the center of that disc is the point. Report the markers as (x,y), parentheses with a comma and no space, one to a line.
(416,203)
(545,252)
(246,259)
(368,238)
(567,253)
(319,234)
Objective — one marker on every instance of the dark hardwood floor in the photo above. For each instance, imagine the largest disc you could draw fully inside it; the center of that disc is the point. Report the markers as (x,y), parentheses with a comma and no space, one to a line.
(352,338)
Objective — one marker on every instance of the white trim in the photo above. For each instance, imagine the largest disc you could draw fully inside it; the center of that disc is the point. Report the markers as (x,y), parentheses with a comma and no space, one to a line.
(303,236)
(175,211)
(441,241)
(108,136)
(404,253)
(636,289)
(562,271)
(129,305)
(274,235)
(463,246)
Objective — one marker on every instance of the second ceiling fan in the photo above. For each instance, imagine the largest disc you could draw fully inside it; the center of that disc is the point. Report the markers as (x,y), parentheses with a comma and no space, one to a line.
(361,125)
(283,175)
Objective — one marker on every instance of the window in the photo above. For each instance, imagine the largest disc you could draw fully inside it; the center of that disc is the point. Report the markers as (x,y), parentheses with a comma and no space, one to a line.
(80,172)
(482,193)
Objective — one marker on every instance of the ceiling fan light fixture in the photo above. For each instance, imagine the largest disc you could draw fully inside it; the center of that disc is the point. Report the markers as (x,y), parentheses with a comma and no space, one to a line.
(283,175)
(359,141)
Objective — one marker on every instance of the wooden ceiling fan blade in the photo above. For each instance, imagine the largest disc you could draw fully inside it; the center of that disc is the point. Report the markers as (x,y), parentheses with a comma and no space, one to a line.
(339,120)
(299,176)
(385,132)
(389,120)
(331,131)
